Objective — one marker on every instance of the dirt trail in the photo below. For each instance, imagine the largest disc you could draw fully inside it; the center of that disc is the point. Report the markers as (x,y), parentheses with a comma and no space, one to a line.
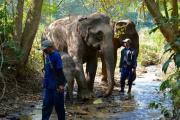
(116,107)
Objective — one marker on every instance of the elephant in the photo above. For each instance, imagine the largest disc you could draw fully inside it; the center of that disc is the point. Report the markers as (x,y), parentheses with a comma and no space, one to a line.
(69,73)
(121,30)
(82,37)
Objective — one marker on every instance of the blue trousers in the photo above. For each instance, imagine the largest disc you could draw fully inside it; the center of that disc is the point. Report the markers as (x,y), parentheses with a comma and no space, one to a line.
(126,73)
(53,98)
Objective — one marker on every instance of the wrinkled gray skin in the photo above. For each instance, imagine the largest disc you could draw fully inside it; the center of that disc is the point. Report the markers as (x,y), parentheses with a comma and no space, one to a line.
(81,38)
(69,72)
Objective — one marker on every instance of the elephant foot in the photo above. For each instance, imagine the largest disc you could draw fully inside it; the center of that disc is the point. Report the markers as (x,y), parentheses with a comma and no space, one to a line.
(69,97)
(107,94)
(109,90)
(116,84)
(85,94)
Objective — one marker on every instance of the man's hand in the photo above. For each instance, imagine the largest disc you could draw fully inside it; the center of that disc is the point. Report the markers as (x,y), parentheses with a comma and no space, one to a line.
(60,88)
(133,70)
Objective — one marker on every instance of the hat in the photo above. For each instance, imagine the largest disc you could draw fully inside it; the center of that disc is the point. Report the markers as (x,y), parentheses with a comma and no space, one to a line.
(45,44)
(127,40)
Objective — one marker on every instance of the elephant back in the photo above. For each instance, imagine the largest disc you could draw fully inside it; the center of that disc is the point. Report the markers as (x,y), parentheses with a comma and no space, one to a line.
(58,32)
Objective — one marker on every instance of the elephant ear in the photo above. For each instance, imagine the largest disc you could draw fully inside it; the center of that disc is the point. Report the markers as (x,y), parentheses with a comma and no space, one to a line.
(82,27)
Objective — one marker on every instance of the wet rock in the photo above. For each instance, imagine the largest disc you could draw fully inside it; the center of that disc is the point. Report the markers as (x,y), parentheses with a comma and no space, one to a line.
(85,109)
(102,106)
(78,112)
(144,71)
(98,101)
(25,117)
(110,111)
(32,106)
(162,118)
(116,111)
(13,117)
(3,115)
(157,79)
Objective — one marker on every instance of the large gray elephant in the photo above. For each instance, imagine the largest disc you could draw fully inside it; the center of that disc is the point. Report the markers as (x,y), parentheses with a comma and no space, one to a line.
(82,37)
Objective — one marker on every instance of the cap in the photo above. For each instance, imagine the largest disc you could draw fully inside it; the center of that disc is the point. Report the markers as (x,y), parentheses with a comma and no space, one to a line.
(127,40)
(45,44)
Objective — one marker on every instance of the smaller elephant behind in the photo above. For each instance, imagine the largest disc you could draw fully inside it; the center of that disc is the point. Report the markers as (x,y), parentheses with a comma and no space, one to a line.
(121,30)
(69,72)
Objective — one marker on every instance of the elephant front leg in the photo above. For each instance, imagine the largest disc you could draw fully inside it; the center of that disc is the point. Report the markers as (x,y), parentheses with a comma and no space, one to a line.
(83,91)
(70,86)
(91,68)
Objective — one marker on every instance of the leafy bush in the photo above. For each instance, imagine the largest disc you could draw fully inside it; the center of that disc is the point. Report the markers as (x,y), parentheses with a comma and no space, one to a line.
(171,86)
(151,47)
(6,24)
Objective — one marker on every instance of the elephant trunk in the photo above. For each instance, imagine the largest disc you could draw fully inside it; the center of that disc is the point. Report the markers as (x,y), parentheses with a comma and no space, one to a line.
(108,51)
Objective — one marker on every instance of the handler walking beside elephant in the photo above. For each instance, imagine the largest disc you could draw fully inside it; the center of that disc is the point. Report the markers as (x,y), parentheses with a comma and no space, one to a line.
(53,83)
(128,64)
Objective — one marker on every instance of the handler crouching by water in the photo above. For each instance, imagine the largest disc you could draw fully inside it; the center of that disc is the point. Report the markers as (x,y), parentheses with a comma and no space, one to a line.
(128,64)
(53,83)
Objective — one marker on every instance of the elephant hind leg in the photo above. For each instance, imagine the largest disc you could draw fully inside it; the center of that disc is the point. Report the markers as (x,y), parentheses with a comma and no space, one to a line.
(91,68)
(70,86)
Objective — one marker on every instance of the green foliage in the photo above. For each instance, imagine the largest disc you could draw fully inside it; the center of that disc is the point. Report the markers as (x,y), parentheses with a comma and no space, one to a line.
(151,46)
(177,60)
(116,9)
(171,86)
(8,47)
(166,64)
(164,110)
(6,24)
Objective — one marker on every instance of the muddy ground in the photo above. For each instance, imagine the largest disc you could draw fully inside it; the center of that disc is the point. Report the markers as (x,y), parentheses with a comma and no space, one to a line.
(115,107)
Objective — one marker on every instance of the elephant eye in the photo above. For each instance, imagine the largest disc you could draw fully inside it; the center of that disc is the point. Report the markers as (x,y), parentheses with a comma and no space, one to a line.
(99,35)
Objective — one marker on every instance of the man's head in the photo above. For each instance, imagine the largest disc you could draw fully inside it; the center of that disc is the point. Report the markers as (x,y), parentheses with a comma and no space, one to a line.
(127,42)
(47,46)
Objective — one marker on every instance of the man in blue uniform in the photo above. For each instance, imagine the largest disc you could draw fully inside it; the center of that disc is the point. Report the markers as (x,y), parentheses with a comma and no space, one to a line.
(53,83)
(128,63)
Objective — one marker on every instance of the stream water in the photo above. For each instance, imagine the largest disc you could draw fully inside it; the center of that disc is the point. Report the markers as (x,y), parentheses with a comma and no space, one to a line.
(136,108)
(144,92)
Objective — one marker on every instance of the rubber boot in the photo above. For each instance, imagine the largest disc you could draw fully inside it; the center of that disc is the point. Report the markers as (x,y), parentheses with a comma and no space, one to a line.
(122,87)
(129,89)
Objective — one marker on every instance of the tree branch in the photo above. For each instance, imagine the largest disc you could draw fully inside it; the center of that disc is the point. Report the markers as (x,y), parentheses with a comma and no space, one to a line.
(59,3)
(165,27)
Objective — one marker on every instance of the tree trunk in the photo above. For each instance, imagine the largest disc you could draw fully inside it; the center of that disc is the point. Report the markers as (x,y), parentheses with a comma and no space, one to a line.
(166,29)
(18,20)
(30,29)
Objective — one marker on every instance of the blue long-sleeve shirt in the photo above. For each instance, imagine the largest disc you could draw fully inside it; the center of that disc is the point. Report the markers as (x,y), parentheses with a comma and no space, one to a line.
(54,75)
(123,60)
